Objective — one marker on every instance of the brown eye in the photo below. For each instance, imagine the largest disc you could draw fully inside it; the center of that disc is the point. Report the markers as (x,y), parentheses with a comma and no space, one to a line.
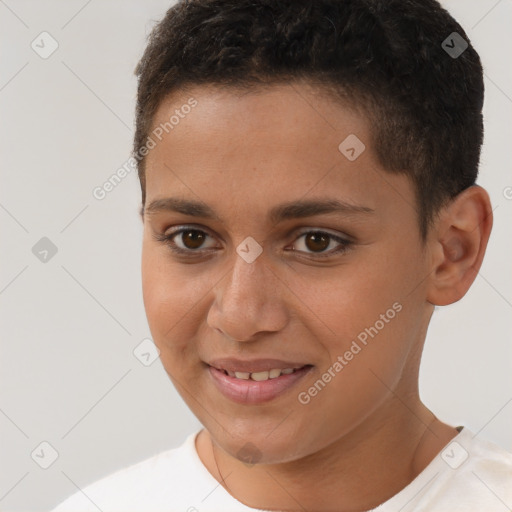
(317,241)
(315,244)
(186,241)
(191,242)
(192,239)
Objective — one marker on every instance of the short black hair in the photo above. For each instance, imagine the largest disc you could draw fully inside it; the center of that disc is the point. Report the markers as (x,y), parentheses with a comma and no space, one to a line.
(391,57)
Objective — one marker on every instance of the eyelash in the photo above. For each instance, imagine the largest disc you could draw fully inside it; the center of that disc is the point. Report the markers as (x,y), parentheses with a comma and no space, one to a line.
(168,240)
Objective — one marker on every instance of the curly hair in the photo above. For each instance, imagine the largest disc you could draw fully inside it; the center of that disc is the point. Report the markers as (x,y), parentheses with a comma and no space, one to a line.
(424,105)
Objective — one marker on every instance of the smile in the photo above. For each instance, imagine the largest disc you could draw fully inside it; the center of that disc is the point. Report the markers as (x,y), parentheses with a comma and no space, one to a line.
(259,376)
(256,387)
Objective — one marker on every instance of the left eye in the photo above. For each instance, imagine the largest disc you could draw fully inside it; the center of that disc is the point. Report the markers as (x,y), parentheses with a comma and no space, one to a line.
(315,241)
(319,241)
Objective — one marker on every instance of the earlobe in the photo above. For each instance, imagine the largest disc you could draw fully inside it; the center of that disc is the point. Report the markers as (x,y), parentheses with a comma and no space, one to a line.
(460,240)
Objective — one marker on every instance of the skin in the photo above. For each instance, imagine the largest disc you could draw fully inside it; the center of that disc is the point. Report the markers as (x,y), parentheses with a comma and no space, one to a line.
(366,435)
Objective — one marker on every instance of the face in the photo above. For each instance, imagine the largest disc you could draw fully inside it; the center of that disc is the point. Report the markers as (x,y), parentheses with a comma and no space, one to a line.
(331,287)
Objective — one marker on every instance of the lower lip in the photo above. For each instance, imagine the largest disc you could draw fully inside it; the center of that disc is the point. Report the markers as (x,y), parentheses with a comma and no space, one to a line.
(255,392)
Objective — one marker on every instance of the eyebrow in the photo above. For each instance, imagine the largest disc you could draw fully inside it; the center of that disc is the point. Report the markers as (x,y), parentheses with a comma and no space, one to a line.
(279,213)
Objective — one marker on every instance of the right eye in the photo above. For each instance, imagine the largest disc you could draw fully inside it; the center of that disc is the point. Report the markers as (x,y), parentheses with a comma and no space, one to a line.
(191,242)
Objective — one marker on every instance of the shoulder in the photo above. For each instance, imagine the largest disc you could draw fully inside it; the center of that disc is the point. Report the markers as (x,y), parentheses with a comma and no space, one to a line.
(467,475)
(172,476)
(475,475)
(487,463)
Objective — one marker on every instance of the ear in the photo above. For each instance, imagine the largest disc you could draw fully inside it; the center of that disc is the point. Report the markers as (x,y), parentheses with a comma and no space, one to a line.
(458,242)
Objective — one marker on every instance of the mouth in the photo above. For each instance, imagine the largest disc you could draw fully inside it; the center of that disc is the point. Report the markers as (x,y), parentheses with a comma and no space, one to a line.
(274,373)
(256,387)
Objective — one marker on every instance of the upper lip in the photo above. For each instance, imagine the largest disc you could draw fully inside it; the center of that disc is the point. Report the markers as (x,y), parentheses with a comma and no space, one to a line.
(253,365)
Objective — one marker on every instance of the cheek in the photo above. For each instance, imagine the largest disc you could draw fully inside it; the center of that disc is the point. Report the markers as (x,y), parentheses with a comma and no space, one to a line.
(344,300)
(171,299)
(366,361)
(371,320)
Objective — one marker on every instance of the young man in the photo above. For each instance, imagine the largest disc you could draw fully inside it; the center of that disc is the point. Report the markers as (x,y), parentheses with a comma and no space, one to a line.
(308,186)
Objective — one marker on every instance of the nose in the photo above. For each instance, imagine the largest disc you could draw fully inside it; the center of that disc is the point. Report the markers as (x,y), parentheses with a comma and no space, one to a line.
(249,301)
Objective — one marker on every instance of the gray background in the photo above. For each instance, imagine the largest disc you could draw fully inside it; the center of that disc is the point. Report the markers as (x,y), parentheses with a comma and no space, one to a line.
(69,325)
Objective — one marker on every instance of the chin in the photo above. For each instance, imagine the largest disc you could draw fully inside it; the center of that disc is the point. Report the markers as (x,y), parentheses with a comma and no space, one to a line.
(250,443)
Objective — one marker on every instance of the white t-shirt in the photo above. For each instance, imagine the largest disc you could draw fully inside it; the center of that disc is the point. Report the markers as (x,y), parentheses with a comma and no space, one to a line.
(469,475)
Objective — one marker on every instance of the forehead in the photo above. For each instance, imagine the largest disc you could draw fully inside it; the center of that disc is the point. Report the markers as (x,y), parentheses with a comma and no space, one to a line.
(272,144)
(276,114)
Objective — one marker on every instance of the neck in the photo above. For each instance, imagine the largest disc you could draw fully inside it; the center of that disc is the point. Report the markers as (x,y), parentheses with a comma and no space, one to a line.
(357,472)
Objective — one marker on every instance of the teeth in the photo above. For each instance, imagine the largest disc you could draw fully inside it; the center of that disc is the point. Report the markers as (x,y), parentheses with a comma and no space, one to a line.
(259,376)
